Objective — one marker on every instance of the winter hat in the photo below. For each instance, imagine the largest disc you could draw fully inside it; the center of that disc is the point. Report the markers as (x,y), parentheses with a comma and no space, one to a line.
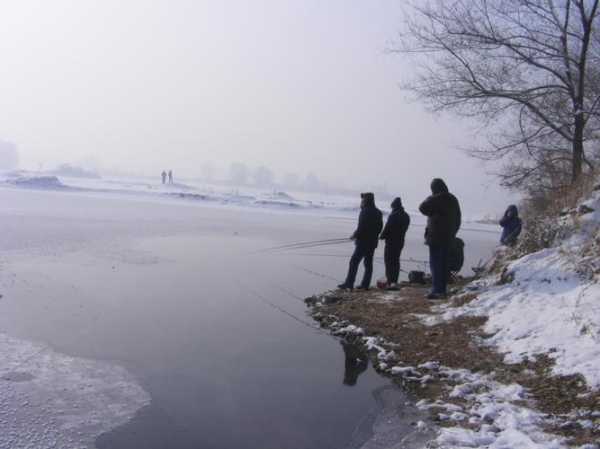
(438,186)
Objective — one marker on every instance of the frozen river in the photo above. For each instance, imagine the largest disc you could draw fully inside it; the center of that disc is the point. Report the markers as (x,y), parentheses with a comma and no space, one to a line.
(156,324)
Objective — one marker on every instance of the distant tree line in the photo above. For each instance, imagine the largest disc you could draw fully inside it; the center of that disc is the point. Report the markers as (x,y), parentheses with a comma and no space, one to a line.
(240,174)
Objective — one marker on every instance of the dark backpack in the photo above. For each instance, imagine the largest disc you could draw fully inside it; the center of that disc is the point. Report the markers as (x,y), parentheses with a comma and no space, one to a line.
(456,256)
(416,277)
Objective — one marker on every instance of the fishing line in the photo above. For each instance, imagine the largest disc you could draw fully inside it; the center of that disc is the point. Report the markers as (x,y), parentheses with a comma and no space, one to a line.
(316,273)
(264,300)
(313,245)
(288,292)
(485,231)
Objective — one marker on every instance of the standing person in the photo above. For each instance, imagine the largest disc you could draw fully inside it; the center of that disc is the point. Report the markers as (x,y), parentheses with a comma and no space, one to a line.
(164,176)
(365,238)
(393,233)
(170,176)
(511,226)
(443,222)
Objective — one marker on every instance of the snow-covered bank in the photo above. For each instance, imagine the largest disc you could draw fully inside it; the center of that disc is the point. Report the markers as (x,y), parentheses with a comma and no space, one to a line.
(50,400)
(37,182)
(548,302)
(472,409)
(516,353)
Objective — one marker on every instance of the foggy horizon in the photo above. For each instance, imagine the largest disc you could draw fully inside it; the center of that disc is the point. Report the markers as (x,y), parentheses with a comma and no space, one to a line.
(297,87)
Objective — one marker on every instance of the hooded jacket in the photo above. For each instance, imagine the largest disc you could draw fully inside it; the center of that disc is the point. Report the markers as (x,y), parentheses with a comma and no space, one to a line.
(370,222)
(396,225)
(511,225)
(443,215)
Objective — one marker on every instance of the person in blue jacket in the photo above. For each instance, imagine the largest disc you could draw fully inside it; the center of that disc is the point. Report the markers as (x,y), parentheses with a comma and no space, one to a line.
(511,226)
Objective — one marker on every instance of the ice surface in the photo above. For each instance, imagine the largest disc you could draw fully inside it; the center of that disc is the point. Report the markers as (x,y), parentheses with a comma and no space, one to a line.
(50,400)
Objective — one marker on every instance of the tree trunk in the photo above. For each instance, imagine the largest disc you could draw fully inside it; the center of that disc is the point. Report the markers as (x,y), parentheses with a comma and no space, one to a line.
(577,148)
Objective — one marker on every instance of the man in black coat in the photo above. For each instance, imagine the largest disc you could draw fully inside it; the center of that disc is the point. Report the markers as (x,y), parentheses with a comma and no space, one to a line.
(393,233)
(365,238)
(443,222)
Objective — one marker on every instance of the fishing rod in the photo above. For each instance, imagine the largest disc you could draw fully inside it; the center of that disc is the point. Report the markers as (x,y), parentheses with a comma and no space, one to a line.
(315,245)
(410,260)
(308,244)
(381,262)
(485,231)
(345,256)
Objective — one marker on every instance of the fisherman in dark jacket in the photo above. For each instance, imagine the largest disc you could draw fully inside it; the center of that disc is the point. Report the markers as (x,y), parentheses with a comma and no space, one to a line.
(365,238)
(443,222)
(393,233)
(511,226)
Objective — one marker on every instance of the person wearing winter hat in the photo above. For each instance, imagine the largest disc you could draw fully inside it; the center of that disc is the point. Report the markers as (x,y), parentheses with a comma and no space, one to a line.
(443,222)
(365,238)
(393,234)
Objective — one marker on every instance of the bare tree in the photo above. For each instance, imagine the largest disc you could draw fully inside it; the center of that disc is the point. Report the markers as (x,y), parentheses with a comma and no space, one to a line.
(528,68)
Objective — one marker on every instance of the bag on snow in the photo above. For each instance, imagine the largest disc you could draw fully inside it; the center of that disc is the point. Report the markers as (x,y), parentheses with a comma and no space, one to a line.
(456,256)
(416,277)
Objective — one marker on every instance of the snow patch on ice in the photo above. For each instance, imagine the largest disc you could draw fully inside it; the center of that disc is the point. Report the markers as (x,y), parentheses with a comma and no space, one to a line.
(37,182)
(50,400)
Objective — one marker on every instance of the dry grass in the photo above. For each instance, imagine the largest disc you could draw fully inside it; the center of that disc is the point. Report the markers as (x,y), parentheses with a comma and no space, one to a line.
(453,344)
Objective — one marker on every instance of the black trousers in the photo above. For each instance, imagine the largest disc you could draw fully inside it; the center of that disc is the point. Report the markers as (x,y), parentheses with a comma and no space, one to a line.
(438,263)
(361,253)
(391,257)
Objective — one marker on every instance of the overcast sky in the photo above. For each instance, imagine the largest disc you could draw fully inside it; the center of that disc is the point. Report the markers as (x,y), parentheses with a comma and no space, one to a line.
(297,85)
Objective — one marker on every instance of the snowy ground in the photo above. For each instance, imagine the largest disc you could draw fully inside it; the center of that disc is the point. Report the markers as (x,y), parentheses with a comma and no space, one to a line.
(542,304)
(475,409)
(189,190)
(214,194)
(550,303)
(545,303)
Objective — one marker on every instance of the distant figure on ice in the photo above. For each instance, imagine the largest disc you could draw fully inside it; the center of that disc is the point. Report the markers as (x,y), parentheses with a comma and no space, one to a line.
(164,176)
(511,226)
(170,176)
(443,222)
(393,233)
(365,238)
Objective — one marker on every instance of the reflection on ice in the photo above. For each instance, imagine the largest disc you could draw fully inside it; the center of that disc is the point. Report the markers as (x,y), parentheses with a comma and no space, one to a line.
(393,422)
(356,362)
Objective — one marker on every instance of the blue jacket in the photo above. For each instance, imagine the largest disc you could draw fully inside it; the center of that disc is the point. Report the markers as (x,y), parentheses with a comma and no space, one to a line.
(511,226)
